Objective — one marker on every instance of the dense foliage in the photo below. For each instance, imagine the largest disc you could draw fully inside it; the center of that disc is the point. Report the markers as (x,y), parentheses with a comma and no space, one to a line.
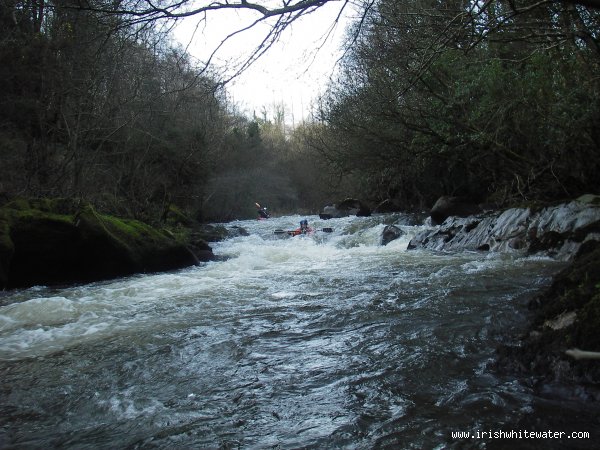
(116,114)
(494,100)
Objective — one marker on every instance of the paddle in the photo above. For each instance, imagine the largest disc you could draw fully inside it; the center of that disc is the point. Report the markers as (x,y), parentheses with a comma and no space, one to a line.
(294,232)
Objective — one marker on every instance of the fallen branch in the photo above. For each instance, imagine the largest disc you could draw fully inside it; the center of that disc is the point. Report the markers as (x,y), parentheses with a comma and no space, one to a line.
(581,354)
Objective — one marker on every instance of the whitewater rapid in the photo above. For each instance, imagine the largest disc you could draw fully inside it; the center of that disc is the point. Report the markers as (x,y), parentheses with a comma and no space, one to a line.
(325,341)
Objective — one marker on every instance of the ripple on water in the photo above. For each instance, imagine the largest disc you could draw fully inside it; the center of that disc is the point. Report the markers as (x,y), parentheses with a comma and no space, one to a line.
(332,342)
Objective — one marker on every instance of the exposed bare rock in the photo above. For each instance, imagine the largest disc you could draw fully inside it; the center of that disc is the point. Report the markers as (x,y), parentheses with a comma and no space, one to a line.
(555,230)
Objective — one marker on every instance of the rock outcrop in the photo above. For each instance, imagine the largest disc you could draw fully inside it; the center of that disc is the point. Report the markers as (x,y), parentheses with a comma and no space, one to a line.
(567,314)
(555,230)
(40,243)
(347,207)
(447,206)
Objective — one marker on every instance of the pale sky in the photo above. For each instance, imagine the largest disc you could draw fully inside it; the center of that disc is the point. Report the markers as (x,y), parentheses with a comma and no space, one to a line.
(293,71)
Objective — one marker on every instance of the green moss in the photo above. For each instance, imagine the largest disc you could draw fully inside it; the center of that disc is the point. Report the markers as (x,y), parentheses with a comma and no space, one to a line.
(180,234)
(175,217)
(56,209)
(130,231)
(20,204)
(41,243)
(129,240)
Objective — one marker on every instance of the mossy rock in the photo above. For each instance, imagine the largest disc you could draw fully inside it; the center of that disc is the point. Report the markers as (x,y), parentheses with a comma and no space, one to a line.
(174,217)
(40,246)
(573,287)
(45,250)
(209,233)
(61,206)
(131,242)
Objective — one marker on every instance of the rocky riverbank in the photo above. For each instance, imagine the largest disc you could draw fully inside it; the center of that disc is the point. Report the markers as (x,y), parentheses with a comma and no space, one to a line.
(558,230)
(566,316)
(48,242)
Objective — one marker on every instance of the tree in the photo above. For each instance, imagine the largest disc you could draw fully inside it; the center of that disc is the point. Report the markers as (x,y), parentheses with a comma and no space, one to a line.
(479,98)
(483,102)
(277,15)
(102,111)
(282,14)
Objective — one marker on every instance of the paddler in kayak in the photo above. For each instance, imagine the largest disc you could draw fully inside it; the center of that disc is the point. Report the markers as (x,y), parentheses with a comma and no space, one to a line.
(262,212)
(304,228)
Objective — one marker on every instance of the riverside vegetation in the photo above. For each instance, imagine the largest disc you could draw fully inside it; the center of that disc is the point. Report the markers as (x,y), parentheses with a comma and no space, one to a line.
(498,103)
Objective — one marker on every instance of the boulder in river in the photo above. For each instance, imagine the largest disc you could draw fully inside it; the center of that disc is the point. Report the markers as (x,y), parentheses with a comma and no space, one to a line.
(447,206)
(345,208)
(390,233)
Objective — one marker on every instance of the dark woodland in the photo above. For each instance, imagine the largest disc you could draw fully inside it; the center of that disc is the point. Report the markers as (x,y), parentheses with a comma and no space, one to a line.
(495,101)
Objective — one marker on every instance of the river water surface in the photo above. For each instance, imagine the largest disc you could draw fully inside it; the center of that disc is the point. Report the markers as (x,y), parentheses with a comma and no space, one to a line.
(328,341)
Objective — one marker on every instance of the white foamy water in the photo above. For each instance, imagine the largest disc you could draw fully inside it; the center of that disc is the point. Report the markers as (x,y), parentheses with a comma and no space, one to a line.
(323,341)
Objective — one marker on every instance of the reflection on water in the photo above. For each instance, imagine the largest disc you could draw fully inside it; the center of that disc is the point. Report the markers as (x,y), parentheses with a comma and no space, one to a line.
(328,341)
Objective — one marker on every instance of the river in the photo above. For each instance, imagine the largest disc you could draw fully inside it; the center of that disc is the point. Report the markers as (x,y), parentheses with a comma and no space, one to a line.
(325,341)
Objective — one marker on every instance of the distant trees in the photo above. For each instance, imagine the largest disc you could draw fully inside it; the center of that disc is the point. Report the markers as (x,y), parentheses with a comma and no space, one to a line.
(96,108)
(495,100)
(98,103)
(267,161)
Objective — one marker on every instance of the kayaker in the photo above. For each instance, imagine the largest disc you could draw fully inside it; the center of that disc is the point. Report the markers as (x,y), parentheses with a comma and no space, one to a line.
(262,212)
(304,228)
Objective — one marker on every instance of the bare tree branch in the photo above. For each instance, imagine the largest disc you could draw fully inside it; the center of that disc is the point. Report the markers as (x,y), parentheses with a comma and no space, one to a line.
(279,15)
(147,10)
(286,12)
